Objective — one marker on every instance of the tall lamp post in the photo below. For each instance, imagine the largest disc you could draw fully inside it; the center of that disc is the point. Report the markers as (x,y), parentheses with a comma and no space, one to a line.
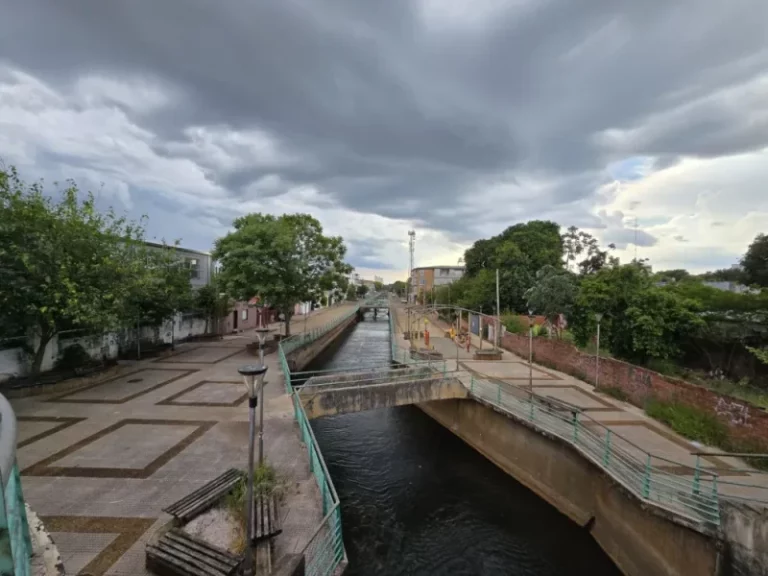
(262,334)
(598,317)
(530,350)
(253,377)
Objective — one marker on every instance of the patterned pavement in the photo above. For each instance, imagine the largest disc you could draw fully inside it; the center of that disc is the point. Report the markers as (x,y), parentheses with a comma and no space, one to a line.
(100,462)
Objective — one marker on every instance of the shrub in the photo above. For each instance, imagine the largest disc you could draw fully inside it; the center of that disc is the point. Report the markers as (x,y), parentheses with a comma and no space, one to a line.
(514,324)
(689,421)
(615,392)
(73,357)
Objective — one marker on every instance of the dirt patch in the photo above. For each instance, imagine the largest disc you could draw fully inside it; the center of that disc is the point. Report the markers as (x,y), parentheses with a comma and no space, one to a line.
(217,526)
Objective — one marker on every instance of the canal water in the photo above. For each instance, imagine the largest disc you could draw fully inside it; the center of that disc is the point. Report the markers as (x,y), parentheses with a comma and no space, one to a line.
(417,501)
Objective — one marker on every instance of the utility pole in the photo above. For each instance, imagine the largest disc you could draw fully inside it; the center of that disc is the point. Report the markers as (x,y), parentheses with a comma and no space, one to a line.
(498,312)
(411,247)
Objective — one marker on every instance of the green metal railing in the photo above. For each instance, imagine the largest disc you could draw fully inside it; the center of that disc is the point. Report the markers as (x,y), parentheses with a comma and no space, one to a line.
(689,491)
(325,549)
(296,341)
(15,543)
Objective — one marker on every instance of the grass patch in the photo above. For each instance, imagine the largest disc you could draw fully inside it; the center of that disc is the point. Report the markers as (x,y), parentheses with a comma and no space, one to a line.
(266,482)
(689,421)
(614,392)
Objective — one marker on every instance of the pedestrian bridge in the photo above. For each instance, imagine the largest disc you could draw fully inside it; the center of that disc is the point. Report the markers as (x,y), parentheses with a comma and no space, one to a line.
(379,388)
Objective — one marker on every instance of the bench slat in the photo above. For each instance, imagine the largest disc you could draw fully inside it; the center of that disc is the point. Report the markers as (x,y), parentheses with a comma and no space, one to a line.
(266,523)
(190,541)
(204,497)
(167,565)
(180,548)
(180,554)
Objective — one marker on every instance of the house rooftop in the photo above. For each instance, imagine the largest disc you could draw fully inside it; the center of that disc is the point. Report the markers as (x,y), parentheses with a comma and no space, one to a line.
(182,248)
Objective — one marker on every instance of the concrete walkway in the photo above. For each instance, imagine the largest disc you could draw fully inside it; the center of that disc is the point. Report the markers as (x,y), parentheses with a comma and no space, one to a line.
(641,433)
(99,463)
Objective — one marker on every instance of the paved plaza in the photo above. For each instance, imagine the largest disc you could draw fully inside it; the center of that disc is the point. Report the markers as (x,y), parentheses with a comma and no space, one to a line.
(99,463)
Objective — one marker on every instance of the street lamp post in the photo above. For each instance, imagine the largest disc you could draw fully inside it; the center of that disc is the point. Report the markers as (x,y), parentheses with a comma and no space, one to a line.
(253,377)
(262,335)
(598,317)
(530,351)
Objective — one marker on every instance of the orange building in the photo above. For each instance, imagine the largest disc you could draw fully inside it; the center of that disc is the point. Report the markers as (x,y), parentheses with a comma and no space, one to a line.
(425,278)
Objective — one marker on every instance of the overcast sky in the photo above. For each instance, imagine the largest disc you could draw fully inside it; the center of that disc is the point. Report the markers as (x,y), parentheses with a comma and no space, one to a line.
(456,119)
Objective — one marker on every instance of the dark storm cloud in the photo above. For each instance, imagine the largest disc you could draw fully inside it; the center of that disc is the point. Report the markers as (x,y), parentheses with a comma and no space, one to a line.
(385,107)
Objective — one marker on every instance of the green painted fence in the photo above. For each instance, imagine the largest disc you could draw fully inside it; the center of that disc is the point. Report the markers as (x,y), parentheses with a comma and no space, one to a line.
(15,543)
(688,491)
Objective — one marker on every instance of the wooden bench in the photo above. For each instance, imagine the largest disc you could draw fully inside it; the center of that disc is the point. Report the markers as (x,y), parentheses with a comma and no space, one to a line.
(205,497)
(177,553)
(266,522)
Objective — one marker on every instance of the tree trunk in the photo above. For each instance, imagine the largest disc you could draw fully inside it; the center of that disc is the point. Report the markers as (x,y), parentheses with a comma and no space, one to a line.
(205,330)
(37,360)
(287,323)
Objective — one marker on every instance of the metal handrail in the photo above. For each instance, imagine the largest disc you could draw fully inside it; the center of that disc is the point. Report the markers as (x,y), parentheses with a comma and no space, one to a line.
(686,497)
(14,558)
(324,550)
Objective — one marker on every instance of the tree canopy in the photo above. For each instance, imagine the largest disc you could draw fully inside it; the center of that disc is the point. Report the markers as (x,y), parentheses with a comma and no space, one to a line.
(283,259)
(640,320)
(64,265)
(755,261)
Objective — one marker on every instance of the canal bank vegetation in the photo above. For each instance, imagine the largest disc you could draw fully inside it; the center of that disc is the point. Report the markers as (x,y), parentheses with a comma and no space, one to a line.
(266,483)
(710,330)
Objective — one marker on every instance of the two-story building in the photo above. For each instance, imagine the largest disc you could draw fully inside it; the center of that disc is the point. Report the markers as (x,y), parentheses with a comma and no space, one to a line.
(425,278)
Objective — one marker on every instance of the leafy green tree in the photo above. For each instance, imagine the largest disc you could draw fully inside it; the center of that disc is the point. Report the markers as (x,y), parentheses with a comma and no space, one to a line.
(378,286)
(362,290)
(755,261)
(553,293)
(399,287)
(284,260)
(640,321)
(351,292)
(63,264)
(214,304)
(582,252)
(159,286)
(517,253)
(677,275)
(724,275)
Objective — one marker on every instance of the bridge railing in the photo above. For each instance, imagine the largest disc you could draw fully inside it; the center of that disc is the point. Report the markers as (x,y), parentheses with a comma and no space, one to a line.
(15,543)
(690,492)
(296,341)
(325,549)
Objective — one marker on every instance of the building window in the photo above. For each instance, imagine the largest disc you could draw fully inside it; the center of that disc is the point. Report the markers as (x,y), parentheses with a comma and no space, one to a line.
(194,267)
(245,315)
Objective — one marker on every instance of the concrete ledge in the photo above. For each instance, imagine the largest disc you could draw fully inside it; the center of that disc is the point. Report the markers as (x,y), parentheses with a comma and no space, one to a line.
(301,357)
(351,393)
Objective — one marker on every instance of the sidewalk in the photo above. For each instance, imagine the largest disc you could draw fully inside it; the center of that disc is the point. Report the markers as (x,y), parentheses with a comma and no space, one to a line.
(623,419)
(99,463)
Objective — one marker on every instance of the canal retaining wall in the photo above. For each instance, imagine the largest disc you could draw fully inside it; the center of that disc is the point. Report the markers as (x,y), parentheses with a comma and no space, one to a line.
(300,358)
(639,539)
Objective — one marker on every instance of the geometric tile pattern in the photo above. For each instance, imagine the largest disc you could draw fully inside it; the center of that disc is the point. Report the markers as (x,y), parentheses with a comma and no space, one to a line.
(201,355)
(131,448)
(34,428)
(94,543)
(122,389)
(208,393)
(577,397)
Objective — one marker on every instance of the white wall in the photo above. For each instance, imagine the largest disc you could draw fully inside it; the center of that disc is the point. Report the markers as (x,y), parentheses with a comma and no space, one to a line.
(12,361)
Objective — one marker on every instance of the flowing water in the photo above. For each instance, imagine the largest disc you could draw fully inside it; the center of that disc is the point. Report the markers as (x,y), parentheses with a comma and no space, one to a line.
(416,500)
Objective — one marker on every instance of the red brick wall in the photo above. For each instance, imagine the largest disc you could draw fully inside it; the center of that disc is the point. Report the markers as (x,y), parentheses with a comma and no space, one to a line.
(640,384)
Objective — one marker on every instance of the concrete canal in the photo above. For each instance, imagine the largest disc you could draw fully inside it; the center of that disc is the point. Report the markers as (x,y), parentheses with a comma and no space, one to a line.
(417,501)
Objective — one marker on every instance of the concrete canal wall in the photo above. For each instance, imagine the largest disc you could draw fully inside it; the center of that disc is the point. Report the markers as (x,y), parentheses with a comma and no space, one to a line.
(640,540)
